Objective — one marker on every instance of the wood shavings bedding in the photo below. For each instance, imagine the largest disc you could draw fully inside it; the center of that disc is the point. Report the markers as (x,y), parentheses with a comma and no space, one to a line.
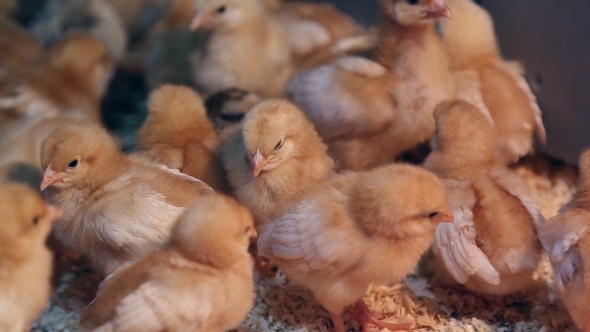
(282,306)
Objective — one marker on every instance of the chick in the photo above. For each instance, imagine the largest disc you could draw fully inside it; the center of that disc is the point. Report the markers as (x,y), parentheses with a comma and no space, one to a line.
(275,160)
(492,248)
(368,112)
(474,54)
(567,241)
(19,51)
(226,109)
(200,281)
(358,228)
(95,17)
(178,134)
(248,48)
(116,209)
(25,261)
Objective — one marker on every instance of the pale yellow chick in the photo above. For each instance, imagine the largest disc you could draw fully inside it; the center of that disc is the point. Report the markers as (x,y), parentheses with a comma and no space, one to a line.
(202,280)
(500,85)
(25,260)
(566,238)
(370,111)
(248,48)
(492,248)
(357,229)
(116,209)
(276,159)
(178,134)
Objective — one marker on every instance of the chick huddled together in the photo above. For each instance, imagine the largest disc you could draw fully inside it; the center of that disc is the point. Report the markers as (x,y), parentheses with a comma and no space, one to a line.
(261,122)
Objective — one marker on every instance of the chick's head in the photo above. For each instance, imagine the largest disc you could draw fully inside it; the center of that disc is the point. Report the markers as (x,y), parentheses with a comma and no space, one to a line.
(276,131)
(399,201)
(225,14)
(75,150)
(415,12)
(26,218)
(216,230)
(86,58)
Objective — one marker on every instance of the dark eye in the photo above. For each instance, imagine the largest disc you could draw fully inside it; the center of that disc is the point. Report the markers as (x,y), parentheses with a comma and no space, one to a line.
(221,10)
(73,163)
(279,144)
(413,2)
(35,220)
(232,117)
(432,215)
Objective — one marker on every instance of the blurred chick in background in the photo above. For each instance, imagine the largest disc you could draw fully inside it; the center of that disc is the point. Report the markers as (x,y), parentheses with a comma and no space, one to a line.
(116,209)
(248,48)
(275,160)
(178,134)
(368,112)
(25,260)
(202,280)
(357,229)
(227,108)
(482,72)
(492,248)
(567,241)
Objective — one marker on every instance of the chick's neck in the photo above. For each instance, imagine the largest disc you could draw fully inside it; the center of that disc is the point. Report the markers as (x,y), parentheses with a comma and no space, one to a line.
(107,170)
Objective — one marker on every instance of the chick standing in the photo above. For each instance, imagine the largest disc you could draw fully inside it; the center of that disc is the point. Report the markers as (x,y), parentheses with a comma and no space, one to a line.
(25,261)
(567,241)
(492,247)
(477,63)
(248,48)
(357,229)
(115,208)
(275,160)
(368,112)
(178,134)
(201,280)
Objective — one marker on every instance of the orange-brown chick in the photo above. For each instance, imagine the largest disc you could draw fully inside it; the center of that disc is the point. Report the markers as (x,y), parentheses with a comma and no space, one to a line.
(492,247)
(276,159)
(369,112)
(200,281)
(178,134)
(358,228)
(116,209)
(567,241)
(25,261)
(475,56)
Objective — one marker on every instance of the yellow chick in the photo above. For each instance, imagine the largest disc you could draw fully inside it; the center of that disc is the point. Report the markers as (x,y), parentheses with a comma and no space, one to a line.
(492,248)
(25,260)
(357,229)
(178,134)
(481,72)
(368,112)
(116,209)
(248,48)
(567,241)
(275,160)
(202,280)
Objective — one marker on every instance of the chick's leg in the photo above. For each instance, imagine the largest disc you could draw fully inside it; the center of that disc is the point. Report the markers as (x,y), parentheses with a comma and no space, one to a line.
(338,323)
(362,314)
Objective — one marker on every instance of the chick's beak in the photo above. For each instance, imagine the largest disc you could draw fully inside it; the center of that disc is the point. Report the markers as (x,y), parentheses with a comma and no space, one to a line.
(444,217)
(437,9)
(53,213)
(50,177)
(258,162)
(199,20)
(251,232)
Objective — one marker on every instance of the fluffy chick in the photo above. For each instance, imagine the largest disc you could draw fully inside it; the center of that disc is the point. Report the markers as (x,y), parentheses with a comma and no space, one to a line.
(116,209)
(200,281)
(248,48)
(567,241)
(368,112)
(25,261)
(357,229)
(275,160)
(492,247)
(178,134)
(475,58)
(227,108)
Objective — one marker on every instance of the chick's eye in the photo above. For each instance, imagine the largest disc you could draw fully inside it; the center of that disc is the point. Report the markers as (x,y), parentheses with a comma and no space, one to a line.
(221,9)
(432,215)
(279,144)
(73,163)
(35,220)
(413,2)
